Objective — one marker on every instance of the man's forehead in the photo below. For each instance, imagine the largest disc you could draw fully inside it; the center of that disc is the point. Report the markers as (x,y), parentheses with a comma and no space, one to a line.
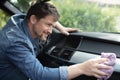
(49,19)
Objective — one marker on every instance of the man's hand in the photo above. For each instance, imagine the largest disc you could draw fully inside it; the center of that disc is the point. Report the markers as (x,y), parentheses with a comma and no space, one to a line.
(90,68)
(65,30)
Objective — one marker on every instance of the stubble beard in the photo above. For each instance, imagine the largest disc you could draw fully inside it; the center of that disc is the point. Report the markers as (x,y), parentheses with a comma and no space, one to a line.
(43,38)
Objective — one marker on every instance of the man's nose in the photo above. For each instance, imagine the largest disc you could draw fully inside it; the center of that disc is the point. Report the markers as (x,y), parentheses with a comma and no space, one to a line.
(50,30)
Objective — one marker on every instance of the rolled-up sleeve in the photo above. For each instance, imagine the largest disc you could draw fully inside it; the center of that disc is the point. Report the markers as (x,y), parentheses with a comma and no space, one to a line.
(63,73)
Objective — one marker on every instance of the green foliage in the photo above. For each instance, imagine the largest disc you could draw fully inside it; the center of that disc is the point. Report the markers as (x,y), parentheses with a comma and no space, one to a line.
(77,13)
(23,5)
(3,18)
(86,16)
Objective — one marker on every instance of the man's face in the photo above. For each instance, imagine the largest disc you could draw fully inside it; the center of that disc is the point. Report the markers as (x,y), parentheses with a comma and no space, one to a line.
(43,27)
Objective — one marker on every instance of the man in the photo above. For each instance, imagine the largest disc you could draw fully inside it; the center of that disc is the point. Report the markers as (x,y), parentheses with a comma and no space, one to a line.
(19,47)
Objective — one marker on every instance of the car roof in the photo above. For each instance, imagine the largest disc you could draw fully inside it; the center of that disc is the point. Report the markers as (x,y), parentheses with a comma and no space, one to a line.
(9,7)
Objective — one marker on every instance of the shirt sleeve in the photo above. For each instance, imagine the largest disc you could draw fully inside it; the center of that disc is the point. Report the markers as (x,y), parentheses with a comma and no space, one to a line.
(22,55)
(63,73)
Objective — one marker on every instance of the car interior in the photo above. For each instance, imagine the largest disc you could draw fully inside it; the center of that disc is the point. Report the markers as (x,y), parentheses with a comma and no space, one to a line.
(78,47)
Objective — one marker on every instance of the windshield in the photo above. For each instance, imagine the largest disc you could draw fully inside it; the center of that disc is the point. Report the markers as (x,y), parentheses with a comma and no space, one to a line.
(86,15)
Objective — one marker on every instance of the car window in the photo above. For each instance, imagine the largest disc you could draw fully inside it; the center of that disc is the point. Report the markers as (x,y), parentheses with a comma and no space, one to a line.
(90,15)
(22,5)
(3,18)
(86,15)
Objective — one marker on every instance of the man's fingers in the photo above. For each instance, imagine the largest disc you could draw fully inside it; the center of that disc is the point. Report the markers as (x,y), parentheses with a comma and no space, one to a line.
(100,74)
(103,66)
(71,29)
(102,60)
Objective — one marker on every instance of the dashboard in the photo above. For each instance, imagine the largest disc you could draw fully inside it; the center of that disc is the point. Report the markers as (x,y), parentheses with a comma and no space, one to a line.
(79,47)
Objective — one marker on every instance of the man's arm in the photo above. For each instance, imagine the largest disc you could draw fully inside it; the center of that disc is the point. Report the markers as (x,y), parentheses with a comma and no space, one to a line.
(90,68)
(29,65)
(64,30)
(21,53)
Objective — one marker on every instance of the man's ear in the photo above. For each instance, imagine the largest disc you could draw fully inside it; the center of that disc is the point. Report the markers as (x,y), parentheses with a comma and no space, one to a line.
(33,19)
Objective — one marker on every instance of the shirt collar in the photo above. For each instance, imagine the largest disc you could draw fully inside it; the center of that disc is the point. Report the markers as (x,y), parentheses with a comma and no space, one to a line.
(26,30)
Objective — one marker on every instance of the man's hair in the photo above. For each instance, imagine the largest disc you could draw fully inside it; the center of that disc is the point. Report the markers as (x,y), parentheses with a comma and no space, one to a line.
(42,9)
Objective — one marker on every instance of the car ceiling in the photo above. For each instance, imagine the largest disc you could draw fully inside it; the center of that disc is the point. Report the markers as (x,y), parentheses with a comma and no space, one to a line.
(9,7)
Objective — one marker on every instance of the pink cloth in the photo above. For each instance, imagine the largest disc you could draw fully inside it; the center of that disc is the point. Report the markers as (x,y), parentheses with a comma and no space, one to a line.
(112,58)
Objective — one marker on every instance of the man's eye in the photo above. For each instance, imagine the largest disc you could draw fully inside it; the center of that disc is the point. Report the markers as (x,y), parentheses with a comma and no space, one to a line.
(49,24)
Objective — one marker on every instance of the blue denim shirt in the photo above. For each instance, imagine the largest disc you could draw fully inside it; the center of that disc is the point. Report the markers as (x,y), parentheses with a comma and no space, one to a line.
(18,54)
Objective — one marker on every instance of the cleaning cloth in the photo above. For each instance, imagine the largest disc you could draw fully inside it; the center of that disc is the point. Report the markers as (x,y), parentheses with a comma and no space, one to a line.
(111,62)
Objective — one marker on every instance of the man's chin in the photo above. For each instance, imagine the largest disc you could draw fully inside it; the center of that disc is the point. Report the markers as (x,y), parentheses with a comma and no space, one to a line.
(43,39)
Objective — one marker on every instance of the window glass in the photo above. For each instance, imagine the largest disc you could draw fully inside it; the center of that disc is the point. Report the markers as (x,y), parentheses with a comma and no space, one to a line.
(90,15)
(23,5)
(3,18)
(87,15)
